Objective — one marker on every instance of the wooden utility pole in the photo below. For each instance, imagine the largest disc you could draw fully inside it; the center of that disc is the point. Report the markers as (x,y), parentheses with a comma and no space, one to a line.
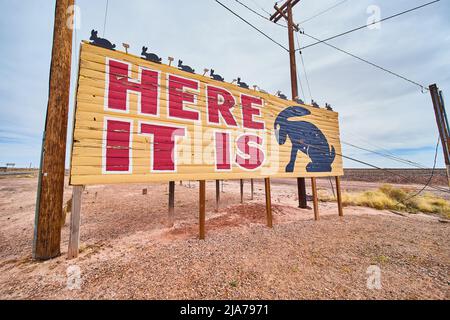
(49,200)
(442,124)
(285,11)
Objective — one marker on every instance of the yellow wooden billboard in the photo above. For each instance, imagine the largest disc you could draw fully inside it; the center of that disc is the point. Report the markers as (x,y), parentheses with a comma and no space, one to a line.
(141,121)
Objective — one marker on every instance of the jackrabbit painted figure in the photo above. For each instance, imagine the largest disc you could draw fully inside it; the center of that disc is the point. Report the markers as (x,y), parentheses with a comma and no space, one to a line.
(305,137)
(242,84)
(150,56)
(100,41)
(216,76)
(184,67)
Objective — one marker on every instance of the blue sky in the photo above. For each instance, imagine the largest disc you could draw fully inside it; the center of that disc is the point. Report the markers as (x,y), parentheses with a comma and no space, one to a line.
(377,111)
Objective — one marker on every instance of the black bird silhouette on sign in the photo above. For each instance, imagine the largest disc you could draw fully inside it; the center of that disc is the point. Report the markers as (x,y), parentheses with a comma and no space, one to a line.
(216,76)
(242,84)
(184,67)
(100,42)
(150,56)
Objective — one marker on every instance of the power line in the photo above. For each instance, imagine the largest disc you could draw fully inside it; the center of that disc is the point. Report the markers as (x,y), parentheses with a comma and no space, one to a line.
(251,25)
(298,77)
(261,7)
(429,179)
(376,167)
(258,14)
(322,12)
(388,156)
(366,25)
(106,17)
(423,88)
(306,76)
(304,69)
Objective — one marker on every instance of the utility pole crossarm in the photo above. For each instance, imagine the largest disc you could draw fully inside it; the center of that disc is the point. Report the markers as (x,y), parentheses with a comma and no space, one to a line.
(281,11)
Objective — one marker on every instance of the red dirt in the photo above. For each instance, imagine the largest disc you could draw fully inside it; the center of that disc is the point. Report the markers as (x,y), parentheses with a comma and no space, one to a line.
(129,252)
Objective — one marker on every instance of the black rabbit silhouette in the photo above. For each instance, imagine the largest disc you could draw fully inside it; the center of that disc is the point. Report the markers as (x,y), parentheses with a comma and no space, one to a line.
(100,41)
(185,68)
(298,100)
(150,56)
(242,84)
(216,76)
(282,96)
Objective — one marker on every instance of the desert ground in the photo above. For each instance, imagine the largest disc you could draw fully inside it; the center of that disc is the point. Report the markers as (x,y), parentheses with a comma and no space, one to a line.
(128,250)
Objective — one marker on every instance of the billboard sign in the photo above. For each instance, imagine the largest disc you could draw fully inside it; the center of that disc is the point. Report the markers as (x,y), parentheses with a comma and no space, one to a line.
(142,121)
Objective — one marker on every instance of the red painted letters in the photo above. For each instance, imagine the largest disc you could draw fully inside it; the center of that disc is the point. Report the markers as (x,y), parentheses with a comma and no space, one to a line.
(119,86)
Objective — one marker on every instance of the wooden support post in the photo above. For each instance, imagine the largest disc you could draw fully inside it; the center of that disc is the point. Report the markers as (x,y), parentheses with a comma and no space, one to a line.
(242,190)
(202,209)
(315,199)
(268,202)
(49,199)
(252,188)
(301,187)
(217,194)
(74,238)
(171,203)
(339,196)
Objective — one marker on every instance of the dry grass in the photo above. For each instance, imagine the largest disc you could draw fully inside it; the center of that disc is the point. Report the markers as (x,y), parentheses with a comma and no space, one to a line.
(390,198)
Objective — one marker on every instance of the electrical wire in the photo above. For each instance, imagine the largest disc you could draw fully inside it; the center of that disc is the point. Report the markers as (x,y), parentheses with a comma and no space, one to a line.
(106,17)
(386,151)
(367,25)
(391,157)
(251,25)
(422,87)
(376,167)
(429,179)
(258,14)
(297,75)
(322,12)
(306,76)
(261,7)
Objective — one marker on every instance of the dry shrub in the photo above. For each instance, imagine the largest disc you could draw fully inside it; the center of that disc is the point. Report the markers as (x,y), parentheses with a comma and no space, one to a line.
(388,197)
